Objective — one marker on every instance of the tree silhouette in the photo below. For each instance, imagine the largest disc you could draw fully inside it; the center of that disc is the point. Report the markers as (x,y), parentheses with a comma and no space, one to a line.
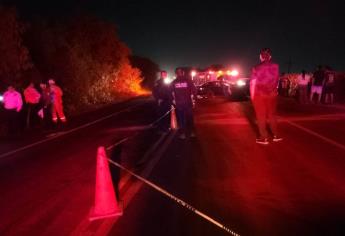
(14,56)
(148,69)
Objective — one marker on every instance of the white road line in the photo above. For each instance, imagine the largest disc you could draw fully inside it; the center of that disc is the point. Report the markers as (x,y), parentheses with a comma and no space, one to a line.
(244,121)
(340,107)
(314,118)
(328,140)
(64,133)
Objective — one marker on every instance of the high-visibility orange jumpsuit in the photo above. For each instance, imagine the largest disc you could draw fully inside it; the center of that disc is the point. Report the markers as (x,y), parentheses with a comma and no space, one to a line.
(57,106)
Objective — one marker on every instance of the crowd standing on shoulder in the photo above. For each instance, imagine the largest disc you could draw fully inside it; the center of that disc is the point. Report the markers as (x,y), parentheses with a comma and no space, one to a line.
(42,107)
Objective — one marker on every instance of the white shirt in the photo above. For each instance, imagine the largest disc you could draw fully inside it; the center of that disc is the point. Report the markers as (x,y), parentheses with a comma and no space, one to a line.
(303,81)
(13,100)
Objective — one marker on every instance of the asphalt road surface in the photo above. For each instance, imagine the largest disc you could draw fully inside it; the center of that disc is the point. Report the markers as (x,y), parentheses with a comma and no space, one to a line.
(295,187)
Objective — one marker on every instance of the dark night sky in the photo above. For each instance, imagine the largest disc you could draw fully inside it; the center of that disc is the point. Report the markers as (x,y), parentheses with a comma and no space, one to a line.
(210,32)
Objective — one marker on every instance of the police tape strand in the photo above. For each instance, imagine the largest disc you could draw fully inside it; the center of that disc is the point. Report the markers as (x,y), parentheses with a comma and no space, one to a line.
(121,141)
(130,137)
(176,199)
(162,117)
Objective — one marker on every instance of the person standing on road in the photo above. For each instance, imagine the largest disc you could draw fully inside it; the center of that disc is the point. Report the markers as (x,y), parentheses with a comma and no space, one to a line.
(45,105)
(56,99)
(317,84)
(303,80)
(13,104)
(32,98)
(263,86)
(284,84)
(163,96)
(329,87)
(183,91)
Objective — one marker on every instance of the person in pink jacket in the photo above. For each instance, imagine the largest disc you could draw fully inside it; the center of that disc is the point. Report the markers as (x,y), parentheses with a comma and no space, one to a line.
(56,98)
(13,104)
(264,91)
(32,99)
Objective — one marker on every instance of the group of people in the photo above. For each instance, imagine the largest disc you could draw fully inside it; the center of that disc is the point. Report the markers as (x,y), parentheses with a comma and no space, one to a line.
(42,106)
(321,83)
(263,89)
(180,94)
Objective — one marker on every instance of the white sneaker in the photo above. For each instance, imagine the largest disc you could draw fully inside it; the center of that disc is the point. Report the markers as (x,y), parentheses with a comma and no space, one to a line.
(263,141)
(277,138)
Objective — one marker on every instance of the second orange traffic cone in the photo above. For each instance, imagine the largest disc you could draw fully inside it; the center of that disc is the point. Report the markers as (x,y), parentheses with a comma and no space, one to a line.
(173,121)
(106,204)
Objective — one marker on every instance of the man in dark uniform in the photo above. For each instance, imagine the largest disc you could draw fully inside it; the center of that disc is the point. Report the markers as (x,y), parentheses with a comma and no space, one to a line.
(183,91)
(264,83)
(163,96)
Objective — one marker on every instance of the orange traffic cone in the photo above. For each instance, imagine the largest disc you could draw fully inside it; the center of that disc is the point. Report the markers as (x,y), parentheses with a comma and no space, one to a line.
(106,204)
(173,121)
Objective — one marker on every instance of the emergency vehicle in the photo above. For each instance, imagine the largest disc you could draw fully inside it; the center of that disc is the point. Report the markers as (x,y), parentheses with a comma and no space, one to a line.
(239,86)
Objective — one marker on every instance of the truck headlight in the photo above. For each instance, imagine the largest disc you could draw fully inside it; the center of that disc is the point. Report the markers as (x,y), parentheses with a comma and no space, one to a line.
(240,83)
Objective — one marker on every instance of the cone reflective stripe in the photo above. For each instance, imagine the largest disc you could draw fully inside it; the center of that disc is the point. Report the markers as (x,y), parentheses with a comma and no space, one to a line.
(106,204)
(173,121)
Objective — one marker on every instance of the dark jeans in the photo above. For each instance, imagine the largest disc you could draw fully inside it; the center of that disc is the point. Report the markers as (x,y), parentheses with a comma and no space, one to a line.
(265,108)
(32,118)
(303,94)
(46,122)
(185,119)
(12,118)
